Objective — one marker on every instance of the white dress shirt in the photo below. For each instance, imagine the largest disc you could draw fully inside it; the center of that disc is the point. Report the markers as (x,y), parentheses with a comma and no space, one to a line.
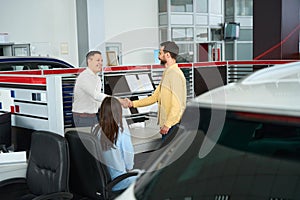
(87,93)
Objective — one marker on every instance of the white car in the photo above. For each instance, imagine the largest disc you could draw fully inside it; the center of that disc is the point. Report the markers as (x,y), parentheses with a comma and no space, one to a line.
(239,141)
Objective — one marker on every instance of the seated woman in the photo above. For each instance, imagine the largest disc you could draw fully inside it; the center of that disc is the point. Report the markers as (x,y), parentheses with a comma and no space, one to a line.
(115,142)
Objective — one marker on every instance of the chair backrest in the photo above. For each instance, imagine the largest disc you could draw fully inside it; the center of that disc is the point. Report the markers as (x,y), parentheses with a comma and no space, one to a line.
(48,165)
(88,177)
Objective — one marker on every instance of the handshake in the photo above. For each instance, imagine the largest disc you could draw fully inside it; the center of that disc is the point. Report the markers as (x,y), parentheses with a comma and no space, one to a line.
(126,103)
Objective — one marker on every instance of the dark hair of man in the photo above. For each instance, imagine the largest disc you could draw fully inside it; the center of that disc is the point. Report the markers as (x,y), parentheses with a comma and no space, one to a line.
(170,47)
(111,118)
(173,55)
(90,54)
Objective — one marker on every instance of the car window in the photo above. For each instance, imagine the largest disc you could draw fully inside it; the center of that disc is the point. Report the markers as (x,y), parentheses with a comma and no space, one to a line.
(6,67)
(20,67)
(16,66)
(44,67)
(256,157)
(51,66)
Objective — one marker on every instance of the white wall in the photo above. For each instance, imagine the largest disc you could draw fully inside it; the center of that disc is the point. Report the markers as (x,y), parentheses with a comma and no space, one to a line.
(134,23)
(96,23)
(48,25)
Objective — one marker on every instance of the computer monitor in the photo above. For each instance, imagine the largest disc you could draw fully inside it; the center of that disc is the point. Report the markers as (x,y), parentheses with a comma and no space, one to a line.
(231,30)
(116,85)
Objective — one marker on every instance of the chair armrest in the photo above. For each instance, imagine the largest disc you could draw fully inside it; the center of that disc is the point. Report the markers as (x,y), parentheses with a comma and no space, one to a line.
(13,188)
(21,184)
(11,181)
(118,179)
(56,195)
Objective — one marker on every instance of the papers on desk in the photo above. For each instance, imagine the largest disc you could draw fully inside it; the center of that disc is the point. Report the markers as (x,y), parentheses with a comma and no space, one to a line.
(13,157)
(137,125)
(146,82)
(139,83)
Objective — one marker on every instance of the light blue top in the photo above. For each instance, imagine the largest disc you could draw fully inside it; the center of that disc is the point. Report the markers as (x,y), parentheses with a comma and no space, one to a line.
(119,159)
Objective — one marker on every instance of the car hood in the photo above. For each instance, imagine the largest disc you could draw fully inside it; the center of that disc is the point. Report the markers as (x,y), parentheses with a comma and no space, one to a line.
(275,98)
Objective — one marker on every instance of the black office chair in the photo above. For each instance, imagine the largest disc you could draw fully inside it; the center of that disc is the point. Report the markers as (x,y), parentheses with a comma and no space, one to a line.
(89,178)
(47,175)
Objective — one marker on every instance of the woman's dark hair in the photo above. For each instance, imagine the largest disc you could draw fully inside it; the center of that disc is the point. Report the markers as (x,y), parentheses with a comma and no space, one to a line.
(111,118)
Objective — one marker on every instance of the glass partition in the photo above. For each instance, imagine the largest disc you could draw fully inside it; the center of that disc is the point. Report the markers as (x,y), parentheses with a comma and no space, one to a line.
(186,53)
(216,34)
(216,6)
(163,34)
(201,6)
(229,8)
(182,34)
(246,35)
(229,54)
(244,7)
(201,34)
(244,51)
(181,5)
(162,6)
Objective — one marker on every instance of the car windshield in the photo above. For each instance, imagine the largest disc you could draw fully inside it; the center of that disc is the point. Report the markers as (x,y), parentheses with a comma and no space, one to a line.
(284,73)
(246,156)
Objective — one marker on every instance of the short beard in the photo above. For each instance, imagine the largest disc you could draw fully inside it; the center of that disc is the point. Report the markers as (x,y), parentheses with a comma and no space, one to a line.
(163,62)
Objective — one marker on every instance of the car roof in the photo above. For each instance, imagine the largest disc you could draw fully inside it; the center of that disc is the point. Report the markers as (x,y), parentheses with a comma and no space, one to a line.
(4,59)
(287,72)
(274,90)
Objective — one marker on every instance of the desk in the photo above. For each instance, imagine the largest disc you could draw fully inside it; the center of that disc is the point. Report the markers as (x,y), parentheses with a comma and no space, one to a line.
(13,170)
(143,139)
(146,138)
(13,165)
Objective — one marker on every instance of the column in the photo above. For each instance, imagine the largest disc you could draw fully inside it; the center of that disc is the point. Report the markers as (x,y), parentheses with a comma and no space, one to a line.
(276,29)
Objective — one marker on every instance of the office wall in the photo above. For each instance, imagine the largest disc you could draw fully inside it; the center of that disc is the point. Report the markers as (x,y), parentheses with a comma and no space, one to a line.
(48,25)
(134,23)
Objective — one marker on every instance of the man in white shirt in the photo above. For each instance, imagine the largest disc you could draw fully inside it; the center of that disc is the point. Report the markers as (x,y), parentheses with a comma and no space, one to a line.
(87,92)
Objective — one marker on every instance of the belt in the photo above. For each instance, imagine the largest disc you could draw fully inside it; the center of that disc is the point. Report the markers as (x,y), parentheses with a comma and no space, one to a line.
(84,114)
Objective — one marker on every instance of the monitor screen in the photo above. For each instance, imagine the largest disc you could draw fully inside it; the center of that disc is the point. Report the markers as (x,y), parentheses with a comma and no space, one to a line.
(116,85)
(231,30)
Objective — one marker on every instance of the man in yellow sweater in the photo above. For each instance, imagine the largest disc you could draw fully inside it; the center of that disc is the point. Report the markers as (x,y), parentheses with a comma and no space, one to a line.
(170,94)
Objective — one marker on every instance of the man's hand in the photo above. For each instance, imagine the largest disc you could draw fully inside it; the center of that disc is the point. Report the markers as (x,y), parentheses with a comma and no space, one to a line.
(164,130)
(129,102)
(126,103)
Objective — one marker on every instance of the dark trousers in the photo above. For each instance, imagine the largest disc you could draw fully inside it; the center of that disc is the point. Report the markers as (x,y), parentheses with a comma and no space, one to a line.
(170,133)
(84,121)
